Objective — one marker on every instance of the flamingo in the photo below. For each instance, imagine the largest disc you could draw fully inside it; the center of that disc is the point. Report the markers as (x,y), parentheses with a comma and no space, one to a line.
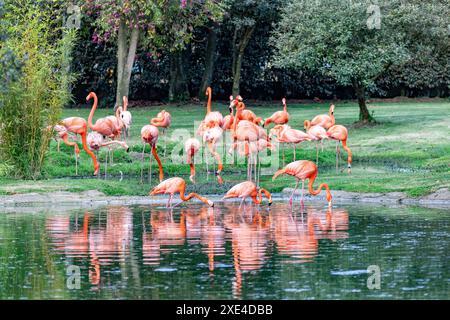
(211,136)
(96,141)
(285,134)
(126,117)
(302,170)
(227,126)
(248,189)
(163,120)
(110,126)
(76,125)
(317,133)
(177,185)
(340,134)
(191,147)
(324,120)
(149,134)
(279,117)
(241,112)
(247,132)
(214,116)
(252,151)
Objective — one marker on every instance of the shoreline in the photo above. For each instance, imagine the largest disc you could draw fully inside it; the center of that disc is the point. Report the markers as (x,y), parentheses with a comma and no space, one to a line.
(64,201)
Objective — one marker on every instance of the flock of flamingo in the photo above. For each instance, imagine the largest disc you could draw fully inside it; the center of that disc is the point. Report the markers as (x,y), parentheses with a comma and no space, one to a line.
(249,136)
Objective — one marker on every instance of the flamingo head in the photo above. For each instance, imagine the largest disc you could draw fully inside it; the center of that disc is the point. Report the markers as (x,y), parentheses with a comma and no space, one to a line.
(284,101)
(307,124)
(211,204)
(90,96)
(332,109)
(126,118)
(94,140)
(232,104)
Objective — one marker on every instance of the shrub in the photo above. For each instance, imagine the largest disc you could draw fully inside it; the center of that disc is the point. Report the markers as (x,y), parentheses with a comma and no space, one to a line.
(35,99)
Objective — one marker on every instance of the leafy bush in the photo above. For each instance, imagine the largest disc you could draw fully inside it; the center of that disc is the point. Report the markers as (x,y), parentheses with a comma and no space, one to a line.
(35,99)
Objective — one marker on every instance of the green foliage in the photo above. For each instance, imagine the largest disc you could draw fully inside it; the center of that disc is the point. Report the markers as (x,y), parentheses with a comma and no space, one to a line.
(34,100)
(341,40)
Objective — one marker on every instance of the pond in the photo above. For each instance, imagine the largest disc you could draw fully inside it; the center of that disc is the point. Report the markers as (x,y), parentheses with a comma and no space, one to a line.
(195,252)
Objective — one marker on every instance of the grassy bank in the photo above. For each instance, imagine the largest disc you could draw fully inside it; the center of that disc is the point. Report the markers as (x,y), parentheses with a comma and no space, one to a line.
(407,151)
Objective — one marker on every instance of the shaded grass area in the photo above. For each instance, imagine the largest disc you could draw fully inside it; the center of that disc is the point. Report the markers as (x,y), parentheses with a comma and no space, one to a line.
(408,150)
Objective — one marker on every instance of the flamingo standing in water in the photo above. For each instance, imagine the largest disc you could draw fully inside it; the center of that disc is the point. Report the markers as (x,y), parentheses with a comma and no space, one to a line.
(317,133)
(191,147)
(279,117)
(248,189)
(177,185)
(302,170)
(149,134)
(76,125)
(285,134)
(324,120)
(163,120)
(96,141)
(340,134)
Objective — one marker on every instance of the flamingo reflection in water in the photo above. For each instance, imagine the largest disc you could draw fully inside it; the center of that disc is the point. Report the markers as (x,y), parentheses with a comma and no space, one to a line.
(103,242)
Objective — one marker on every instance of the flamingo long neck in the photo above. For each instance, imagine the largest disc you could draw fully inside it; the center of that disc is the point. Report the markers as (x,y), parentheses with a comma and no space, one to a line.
(155,154)
(208,106)
(190,195)
(258,199)
(321,186)
(91,114)
(89,152)
(331,114)
(284,107)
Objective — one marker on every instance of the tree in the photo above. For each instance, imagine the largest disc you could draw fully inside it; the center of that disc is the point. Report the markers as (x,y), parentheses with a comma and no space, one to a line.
(354,42)
(124,21)
(244,18)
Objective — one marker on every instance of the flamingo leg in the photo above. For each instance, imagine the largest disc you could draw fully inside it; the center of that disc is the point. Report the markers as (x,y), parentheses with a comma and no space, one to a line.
(76,163)
(142,165)
(242,202)
(283,155)
(317,153)
(294,151)
(293,192)
(106,164)
(337,156)
(169,201)
(340,155)
(150,170)
(301,199)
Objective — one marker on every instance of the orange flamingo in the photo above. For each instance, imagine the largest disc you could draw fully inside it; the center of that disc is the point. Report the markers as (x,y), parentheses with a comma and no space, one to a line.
(163,120)
(242,113)
(279,117)
(177,185)
(340,134)
(109,126)
(248,189)
(302,170)
(324,120)
(214,116)
(149,134)
(76,125)
(317,133)
(191,147)
(285,134)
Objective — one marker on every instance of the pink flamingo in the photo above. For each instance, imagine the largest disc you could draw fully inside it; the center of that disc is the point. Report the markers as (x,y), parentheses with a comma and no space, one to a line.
(149,134)
(191,147)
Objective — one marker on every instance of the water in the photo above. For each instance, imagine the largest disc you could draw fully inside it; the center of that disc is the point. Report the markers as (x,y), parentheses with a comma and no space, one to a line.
(146,252)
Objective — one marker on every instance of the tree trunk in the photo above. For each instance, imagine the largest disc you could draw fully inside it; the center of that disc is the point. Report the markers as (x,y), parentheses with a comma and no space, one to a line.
(238,54)
(178,88)
(126,53)
(364,115)
(210,59)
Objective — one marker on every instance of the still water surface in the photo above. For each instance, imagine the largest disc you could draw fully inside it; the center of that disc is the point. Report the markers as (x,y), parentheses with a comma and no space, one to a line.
(194,252)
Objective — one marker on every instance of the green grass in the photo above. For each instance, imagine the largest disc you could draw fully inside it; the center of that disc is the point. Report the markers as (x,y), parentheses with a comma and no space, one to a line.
(407,151)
